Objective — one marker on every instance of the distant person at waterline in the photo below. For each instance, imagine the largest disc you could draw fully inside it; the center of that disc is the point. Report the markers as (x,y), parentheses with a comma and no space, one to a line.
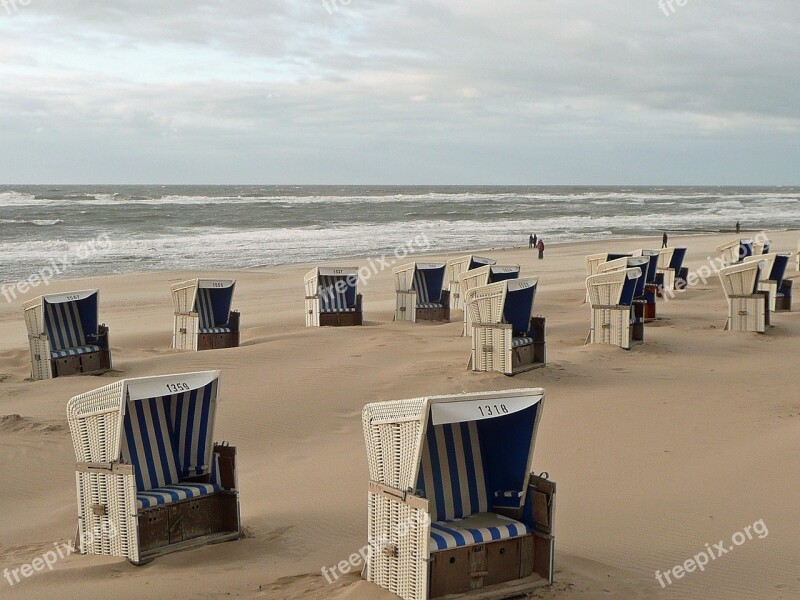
(531,241)
(540,247)
(738,227)
(664,240)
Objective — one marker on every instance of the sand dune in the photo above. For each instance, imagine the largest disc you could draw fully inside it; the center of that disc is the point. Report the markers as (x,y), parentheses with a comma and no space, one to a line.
(684,440)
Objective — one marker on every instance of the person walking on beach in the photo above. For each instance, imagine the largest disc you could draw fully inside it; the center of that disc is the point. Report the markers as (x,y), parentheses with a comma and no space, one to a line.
(540,248)
(738,227)
(535,237)
(531,241)
(664,240)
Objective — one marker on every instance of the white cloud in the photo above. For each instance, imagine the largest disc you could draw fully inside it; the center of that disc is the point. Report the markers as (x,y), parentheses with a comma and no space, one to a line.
(517,91)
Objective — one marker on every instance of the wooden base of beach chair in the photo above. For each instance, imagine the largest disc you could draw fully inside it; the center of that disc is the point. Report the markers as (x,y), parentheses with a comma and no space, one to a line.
(187,524)
(85,364)
(433,314)
(217,341)
(650,306)
(480,571)
(343,319)
(195,521)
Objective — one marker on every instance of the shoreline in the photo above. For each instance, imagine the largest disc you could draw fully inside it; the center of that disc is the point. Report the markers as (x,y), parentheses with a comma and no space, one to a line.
(428,254)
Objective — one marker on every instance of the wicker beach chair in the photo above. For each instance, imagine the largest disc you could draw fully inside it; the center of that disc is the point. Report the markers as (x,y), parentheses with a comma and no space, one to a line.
(506,337)
(671,274)
(453,505)
(640,298)
(203,316)
(593,261)
(150,480)
(420,293)
(483,276)
(332,297)
(736,251)
(761,245)
(748,307)
(457,266)
(64,335)
(611,296)
(773,280)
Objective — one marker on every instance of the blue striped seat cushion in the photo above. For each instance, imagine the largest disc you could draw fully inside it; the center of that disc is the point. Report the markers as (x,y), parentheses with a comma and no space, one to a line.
(337,310)
(521,341)
(74,351)
(475,529)
(174,493)
(214,330)
(429,305)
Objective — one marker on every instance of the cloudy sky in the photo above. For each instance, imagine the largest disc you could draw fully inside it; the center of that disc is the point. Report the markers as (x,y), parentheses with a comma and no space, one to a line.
(400,91)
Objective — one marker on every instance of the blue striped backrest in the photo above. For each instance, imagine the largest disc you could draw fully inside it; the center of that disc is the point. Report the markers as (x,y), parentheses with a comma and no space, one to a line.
(333,297)
(205,308)
(147,444)
(191,419)
(63,324)
(428,291)
(451,473)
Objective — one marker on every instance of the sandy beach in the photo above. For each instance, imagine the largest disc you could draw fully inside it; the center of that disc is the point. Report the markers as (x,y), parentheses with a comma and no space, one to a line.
(682,441)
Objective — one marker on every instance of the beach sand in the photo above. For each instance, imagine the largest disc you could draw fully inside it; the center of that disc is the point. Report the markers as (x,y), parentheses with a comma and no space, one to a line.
(680,442)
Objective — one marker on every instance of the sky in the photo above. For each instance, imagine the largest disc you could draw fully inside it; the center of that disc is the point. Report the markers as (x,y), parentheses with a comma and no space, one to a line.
(575,92)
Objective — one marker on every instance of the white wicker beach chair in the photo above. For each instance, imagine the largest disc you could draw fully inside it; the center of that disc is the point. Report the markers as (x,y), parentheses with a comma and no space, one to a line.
(761,245)
(773,280)
(203,316)
(640,298)
(150,479)
(748,308)
(457,266)
(611,296)
(506,337)
(453,505)
(593,261)
(671,274)
(483,276)
(64,335)
(332,297)
(736,251)
(420,292)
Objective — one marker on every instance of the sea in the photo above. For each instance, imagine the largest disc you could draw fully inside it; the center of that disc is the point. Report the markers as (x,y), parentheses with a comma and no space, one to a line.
(99,230)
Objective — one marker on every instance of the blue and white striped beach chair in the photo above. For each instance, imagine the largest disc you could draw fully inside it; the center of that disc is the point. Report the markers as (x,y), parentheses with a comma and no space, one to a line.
(420,292)
(506,337)
(150,478)
(332,297)
(748,306)
(453,505)
(64,335)
(611,296)
(455,268)
(203,316)
(672,275)
(773,280)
